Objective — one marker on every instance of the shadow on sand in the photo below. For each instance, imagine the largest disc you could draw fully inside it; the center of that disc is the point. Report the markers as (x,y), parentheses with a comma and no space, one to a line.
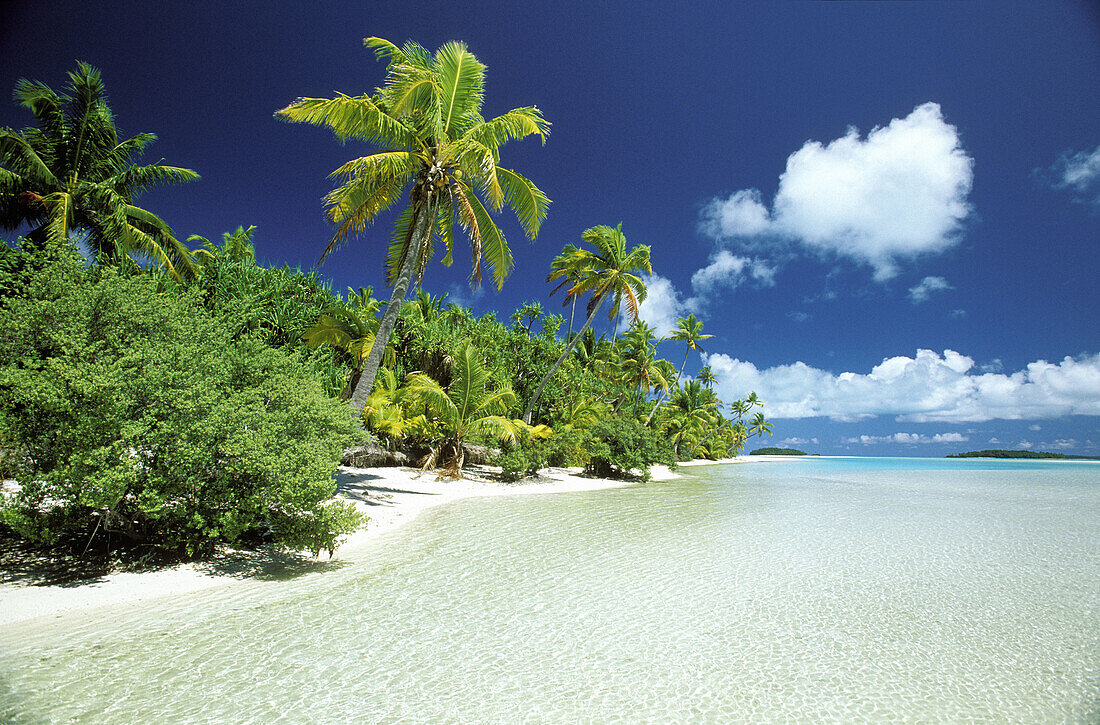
(26,564)
(359,487)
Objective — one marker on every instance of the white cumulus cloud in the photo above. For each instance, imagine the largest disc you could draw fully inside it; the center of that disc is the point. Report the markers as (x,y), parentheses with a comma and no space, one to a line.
(928,387)
(727,270)
(924,289)
(900,192)
(662,305)
(743,214)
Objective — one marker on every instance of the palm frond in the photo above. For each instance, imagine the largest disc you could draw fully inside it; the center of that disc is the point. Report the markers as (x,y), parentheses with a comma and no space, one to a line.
(470,378)
(378,166)
(526,200)
(136,180)
(44,103)
(445,227)
(426,390)
(18,156)
(384,49)
(518,123)
(356,204)
(350,117)
(134,146)
(494,246)
(400,241)
(461,80)
(479,163)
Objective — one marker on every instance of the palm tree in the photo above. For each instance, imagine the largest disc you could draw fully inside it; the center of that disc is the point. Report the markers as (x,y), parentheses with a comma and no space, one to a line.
(609,272)
(236,246)
(706,376)
(72,176)
(690,332)
(759,426)
(637,368)
(426,122)
(569,267)
(466,407)
(352,331)
(693,410)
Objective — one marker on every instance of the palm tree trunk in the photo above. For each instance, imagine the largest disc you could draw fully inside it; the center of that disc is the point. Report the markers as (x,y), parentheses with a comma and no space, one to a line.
(421,230)
(572,311)
(538,391)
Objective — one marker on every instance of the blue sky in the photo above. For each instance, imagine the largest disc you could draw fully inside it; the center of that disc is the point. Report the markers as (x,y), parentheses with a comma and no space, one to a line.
(887,214)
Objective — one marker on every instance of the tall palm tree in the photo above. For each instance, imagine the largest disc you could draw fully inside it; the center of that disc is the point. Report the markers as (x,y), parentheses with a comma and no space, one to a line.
(432,139)
(706,377)
(73,176)
(690,332)
(610,272)
(638,369)
(568,267)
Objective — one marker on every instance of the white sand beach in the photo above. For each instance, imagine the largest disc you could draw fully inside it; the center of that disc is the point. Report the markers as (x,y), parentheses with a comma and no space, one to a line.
(391,497)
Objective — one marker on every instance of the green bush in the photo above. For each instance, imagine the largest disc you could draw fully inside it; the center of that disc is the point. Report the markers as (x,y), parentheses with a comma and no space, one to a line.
(625,448)
(135,416)
(513,465)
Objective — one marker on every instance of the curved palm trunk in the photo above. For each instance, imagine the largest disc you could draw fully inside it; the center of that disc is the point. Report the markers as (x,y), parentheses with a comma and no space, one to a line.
(661,397)
(538,391)
(421,229)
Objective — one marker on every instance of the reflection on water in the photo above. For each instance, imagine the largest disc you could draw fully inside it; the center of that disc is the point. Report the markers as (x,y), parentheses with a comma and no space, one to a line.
(803,590)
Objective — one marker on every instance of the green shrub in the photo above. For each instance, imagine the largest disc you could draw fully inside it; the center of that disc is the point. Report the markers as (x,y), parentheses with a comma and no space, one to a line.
(625,448)
(513,465)
(137,416)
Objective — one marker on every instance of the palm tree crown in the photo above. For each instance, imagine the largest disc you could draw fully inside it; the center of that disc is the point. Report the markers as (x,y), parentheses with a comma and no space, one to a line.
(426,122)
(72,175)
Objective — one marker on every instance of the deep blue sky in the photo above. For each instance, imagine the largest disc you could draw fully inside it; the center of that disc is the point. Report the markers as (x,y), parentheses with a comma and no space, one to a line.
(661,115)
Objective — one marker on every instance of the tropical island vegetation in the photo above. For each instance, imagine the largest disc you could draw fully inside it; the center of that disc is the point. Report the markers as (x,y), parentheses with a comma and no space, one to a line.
(175,397)
(777,452)
(997,453)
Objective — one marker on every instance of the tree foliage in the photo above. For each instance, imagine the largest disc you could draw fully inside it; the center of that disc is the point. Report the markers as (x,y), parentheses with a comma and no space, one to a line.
(72,175)
(137,417)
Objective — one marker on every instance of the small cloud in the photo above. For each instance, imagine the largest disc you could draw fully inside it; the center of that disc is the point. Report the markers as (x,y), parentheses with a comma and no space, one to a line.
(727,271)
(926,287)
(1035,426)
(1079,172)
(993,366)
(798,316)
(958,314)
(743,214)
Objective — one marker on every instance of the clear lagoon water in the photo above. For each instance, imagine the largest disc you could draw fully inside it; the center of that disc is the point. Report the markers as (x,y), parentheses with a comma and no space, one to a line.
(811,590)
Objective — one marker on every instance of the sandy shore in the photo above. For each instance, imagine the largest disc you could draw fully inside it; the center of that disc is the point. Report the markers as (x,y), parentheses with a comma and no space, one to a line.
(389,496)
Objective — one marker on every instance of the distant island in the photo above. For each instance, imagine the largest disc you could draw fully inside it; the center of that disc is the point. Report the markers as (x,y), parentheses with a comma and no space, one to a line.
(777,452)
(1015,454)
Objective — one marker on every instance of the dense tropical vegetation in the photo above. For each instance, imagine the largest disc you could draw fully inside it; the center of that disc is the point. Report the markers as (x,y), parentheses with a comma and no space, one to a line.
(1000,453)
(163,397)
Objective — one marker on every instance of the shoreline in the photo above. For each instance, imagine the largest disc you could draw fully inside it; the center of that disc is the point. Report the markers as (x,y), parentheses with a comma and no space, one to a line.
(389,496)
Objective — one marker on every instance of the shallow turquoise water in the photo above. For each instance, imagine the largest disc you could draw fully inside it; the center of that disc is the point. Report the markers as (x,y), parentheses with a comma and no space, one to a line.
(807,590)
